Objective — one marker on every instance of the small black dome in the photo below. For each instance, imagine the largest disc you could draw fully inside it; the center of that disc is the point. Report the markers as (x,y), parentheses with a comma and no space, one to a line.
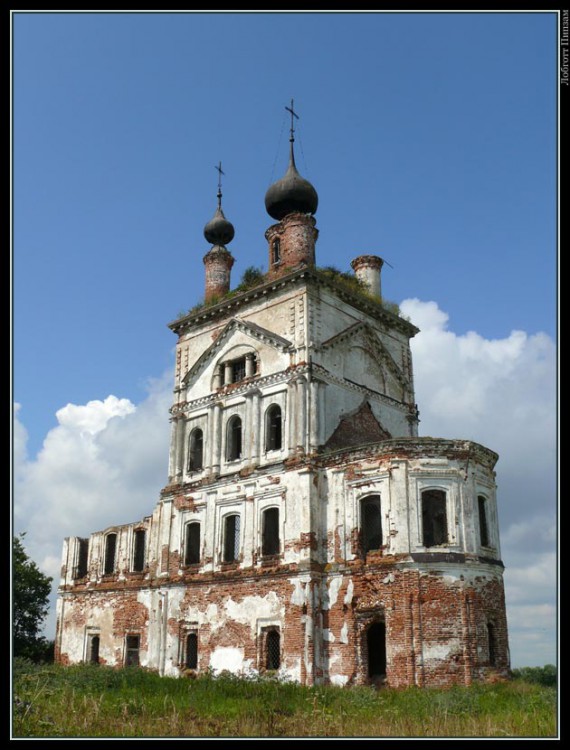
(219,231)
(291,193)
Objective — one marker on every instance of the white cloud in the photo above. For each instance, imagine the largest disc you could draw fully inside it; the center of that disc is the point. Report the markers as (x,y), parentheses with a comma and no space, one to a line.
(106,461)
(103,464)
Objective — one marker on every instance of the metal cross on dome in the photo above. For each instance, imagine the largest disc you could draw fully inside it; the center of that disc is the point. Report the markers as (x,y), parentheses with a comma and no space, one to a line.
(220,173)
(293,115)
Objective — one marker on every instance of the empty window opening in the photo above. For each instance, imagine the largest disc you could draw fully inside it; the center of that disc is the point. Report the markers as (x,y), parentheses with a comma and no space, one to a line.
(231,538)
(192,546)
(110,549)
(196,453)
(192,651)
(270,532)
(94,649)
(276,251)
(82,556)
(434,517)
(273,428)
(371,523)
(483,525)
(234,439)
(132,651)
(139,556)
(492,644)
(273,650)
(238,370)
(376,647)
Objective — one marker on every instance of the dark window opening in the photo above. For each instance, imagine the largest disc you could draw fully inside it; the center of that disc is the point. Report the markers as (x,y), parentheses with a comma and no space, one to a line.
(196,453)
(483,526)
(110,549)
(238,370)
(192,651)
(82,557)
(192,546)
(371,522)
(434,517)
(132,651)
(138,556)
(273,428)
(492,644)
(376,646)
(94,650)
(231,538)
(273,650)
(276,251)
(234,439)
(270,532)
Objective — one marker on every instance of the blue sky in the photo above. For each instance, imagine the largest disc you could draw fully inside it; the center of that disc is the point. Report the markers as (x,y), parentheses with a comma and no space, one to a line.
(431,139)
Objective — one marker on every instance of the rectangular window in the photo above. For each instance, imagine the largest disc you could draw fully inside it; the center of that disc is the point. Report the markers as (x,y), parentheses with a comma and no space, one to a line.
(231,538)
(192,651)
(270,532)
(483,525)
(139,550)
(434,517)
(132,651)
(192,548)
(82,556)
(110,549)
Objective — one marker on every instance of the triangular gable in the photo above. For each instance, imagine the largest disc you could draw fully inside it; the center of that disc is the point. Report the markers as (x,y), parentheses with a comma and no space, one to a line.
(357,428)
(375,348)
(235,324)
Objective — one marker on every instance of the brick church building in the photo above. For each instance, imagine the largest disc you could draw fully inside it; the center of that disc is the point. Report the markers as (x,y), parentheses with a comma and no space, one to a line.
(305,529)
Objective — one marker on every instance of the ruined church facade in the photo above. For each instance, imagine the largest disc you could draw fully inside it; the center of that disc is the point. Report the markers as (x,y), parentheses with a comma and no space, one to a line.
(306,530)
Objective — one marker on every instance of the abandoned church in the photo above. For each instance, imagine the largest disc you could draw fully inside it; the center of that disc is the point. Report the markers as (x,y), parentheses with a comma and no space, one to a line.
(305,530)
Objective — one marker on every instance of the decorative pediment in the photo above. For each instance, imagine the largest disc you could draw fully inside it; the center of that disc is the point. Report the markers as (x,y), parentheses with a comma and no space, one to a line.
(361,334)
(223,341)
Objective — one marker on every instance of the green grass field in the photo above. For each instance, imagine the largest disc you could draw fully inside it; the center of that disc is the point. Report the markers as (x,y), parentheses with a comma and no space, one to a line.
(93,701)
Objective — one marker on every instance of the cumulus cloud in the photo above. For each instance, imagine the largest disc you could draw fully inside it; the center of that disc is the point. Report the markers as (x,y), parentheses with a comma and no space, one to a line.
(106,461)
(502,393)
(103,464)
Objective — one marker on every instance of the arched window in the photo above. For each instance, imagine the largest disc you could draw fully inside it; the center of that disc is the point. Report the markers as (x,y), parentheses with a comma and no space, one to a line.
(233,451)
(196,450)
(139,550)
(110,550)
(276,250)
(483,521)
(270,532)
(272,650)
(192,544)
(231,537)
(434,517)
(371,523)
(273,428)
(192,651)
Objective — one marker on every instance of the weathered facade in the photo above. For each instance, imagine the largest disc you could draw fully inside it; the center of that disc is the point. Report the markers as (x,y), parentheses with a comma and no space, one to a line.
(305,528)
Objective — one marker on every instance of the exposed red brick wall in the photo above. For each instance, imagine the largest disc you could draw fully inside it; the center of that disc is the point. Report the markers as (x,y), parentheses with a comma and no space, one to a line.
(297,236)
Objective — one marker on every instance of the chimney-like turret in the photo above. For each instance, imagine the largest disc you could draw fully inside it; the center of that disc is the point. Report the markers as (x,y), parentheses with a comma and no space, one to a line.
(367,270)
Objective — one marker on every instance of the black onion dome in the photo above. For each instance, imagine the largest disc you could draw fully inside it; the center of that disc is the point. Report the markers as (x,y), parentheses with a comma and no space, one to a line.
(291,193)
(219,231)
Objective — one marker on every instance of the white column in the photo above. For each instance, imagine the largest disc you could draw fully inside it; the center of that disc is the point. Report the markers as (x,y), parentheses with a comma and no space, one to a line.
(216,438)
(256,426)
(301,441)
(291,417)
(228,373)
(173,451)
(313,415)
(249,371)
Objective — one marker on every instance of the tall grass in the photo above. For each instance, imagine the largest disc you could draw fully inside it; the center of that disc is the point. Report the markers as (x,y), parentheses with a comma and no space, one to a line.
(94,701)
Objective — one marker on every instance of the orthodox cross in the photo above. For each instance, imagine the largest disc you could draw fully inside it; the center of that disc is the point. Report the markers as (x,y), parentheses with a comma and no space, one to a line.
(220,173)
(293,114)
